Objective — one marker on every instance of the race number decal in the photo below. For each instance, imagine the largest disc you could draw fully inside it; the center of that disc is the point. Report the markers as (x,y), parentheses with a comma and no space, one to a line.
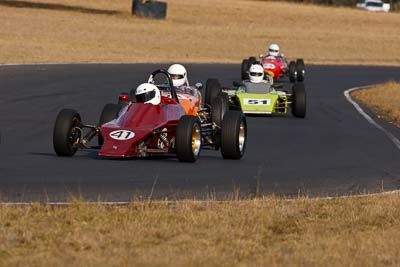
(249,101)
(122,135)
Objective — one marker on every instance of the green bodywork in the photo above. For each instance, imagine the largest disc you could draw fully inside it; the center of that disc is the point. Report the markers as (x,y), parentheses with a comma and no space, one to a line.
(268,103)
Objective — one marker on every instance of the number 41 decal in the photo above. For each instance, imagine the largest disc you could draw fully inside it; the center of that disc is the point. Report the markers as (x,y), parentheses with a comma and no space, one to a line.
(122,135)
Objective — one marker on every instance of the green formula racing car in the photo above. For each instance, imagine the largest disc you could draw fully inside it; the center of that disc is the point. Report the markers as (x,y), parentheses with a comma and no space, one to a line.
(265,98)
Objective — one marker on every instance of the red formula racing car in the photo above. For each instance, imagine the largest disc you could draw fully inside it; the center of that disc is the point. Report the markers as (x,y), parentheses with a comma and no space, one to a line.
(276,67)
(169,127)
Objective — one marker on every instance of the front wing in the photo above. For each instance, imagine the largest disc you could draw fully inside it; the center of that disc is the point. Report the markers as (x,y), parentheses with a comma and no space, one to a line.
(257,103)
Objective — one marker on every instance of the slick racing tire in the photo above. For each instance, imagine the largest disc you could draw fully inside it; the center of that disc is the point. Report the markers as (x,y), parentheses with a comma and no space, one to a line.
(219,107)
(124,103)
(292,72)
(132,95)
(252,60)
(65,133)
(299,100)
(300,68)
(109,113)
(245,70)
(188,139)
(233,135)
(213,90)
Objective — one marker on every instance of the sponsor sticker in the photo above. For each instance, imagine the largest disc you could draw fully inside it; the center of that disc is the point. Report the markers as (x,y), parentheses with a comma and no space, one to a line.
(122,135)
(249,101)
(269,66)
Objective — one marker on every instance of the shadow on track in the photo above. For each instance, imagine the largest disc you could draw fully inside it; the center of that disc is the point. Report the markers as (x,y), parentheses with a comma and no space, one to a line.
(60,7)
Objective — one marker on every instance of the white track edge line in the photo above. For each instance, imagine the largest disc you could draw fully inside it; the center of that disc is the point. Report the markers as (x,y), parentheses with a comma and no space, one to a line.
(202,202)
(347,94)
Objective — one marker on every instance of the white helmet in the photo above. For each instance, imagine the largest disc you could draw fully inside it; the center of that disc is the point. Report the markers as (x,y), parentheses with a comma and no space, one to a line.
(178,74)
(148,93)
(273,50)
(256,73)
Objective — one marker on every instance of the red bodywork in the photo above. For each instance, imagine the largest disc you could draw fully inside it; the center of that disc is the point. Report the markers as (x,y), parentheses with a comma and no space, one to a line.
(274,67)
(145,121)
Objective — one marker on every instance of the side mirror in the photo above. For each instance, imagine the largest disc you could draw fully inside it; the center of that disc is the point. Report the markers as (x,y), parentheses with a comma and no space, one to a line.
(199,86)
(261,55)
(237,84)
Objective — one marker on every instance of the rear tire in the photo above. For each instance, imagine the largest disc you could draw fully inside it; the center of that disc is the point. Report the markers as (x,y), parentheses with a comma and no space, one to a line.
(109,113)
(213,90)
(245,69)
(132,95)
(64,134)
(300,68)
(219,107)
(292,72)
(299,100)
(252,60)
(233,135)
(188,139)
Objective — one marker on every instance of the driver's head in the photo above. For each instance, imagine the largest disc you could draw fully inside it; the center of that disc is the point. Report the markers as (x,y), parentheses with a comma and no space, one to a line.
(148,93)
(273,50)
(178,74)
(256,73)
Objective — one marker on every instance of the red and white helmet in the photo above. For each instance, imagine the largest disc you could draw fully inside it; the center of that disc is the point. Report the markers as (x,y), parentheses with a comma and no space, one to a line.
(148,93)
(273,50)
(256,73)
(178,74)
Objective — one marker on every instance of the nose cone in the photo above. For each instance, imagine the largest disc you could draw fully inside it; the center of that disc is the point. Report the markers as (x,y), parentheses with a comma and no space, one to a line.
(120,142)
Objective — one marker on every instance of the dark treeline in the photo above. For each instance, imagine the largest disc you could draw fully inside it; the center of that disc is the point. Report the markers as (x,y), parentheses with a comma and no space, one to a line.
(394,4)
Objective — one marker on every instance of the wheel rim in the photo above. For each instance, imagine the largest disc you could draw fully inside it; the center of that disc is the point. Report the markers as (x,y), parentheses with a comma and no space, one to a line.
(74,134)
(196,140)
(242,136)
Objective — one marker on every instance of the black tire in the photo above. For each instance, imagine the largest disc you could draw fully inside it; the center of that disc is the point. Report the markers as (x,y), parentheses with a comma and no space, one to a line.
(187,149)
(213,90)
(64,134)
(299,100)
(300,68)
(233,135)
(292,72)
(219,107)
(132,95)
(109,113)
(252,60)
(121,102)
(245,69)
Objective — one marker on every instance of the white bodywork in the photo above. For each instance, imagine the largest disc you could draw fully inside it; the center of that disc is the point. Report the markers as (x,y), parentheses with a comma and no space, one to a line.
(374,5)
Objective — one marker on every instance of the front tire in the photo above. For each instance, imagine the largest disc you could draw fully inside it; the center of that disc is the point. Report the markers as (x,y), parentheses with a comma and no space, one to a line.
(219,107)
(292,72)
(65,134)
(213,90)
(245,70)
(233,135)
(299,100)
(300,68)
(109,113)
(188,139)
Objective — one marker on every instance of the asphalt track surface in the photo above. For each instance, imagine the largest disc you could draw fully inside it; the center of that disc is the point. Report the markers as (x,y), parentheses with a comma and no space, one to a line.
(333,151)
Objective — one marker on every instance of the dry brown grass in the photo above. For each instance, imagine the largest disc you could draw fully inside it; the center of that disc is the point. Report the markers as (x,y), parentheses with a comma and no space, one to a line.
(269,232)
(196,31)
(383,99)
